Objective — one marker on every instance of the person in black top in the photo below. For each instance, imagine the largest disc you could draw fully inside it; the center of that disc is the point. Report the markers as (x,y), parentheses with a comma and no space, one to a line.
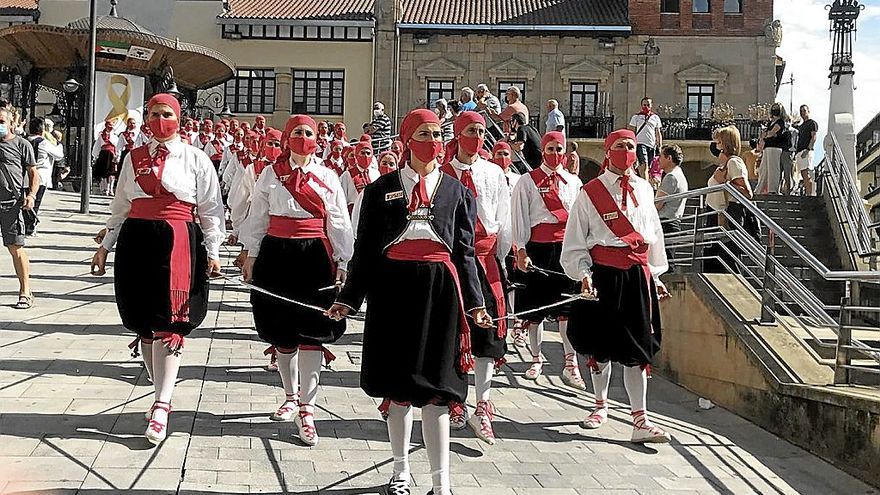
(527,142)
(803,152)
(776,140)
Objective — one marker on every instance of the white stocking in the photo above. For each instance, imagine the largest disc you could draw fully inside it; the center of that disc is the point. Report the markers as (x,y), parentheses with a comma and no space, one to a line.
(147,354)
(166,364)
(567,348)
(636,382)
(400,423)
(483,369)
(601,382)
(435,432)
(309,373)
(536,338)
(289,371)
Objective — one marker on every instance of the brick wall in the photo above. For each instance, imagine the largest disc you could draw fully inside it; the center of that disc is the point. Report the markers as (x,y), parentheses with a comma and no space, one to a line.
(645,17)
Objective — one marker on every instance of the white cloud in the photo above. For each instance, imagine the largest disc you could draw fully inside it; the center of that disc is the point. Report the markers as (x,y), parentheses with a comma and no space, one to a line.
(806,48)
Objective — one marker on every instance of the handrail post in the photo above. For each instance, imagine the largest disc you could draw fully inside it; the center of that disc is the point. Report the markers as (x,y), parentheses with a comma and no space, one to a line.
(697,252)
(767,317)
(844,340)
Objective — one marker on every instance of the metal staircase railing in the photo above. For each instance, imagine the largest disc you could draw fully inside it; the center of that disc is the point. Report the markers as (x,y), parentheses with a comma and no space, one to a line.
(781,293)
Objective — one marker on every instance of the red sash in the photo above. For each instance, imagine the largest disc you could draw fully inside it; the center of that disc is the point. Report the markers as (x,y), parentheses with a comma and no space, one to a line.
(333,166)
(622,258)
(107,146)
(548,187)
(547,233)
(129,140)
(259,165)
(203,139)
(244,158)
(360,179)
(434,252)
(297,184)
(162,205)
(301,228)
(485,247)
(218,150)
(467,180)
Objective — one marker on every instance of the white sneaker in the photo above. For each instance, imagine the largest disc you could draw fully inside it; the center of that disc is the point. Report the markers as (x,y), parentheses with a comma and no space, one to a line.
(458,416)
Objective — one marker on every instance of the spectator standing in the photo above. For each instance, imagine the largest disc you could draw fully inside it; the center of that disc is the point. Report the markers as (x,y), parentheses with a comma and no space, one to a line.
(380,128)
(46,154)
(17,165)
(555,118)
(647,125)
(573,160)
(441,108)
(673,182)
(527,141)
(513,97)
(467,100)
(806,141)
(489,103)
(752,159)
(776,139)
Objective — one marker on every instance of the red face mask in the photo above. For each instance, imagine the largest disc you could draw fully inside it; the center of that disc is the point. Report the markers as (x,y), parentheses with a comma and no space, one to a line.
(271,152)
(363,161)
(163,128)
(553,160)
(622,159)
(302,145)
(253,146)
(470,145)
(503,161)
(426,151)
(336,154)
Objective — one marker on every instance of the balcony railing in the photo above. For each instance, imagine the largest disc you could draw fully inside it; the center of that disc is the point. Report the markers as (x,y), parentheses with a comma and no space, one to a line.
(590,126)
(701,129)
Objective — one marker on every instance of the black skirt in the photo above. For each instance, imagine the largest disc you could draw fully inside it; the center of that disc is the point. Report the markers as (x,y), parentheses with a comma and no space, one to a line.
(296,269)
(142,277)
(543,289)
(411,336)
(485,342)
(624,324)
(105,165)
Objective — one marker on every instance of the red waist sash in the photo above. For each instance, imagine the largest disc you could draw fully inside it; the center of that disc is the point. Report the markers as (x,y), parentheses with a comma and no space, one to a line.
(548,232)
(300,228)
(434,252)
(486,247)
(622,258)
(177,214)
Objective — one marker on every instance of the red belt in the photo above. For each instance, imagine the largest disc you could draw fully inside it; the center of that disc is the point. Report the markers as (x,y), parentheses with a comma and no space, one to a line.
(486,247)
(177,214)
(434,252)
(548,233)
(300,228)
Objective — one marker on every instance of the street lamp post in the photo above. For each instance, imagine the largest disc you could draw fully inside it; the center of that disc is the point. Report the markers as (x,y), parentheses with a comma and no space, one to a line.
(89,127)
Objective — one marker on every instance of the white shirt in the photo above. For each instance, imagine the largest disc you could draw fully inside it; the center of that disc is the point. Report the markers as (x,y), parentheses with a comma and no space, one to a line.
(190,177)
(527,207)
(46,154)
(211,150)
(228,154)
(586,228)
(415,229)
(141,139)
(348,187)
(99,143)
(555,119)
(512,178)
(120,145)
(239,200)
(493,199)
(233,169)
(270,197)
(648,134)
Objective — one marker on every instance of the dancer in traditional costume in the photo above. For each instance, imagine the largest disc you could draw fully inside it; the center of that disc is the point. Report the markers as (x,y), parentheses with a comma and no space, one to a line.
(388,162)
(614,246)
(334,160)
(362,174)
(541,201)
(104,150)
(416,230)
(492,242)
(299,241)
(127,139)
(502,155)
(163,256)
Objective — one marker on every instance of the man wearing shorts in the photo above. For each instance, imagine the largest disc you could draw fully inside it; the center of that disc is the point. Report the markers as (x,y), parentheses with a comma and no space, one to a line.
(16,162)
(803,153)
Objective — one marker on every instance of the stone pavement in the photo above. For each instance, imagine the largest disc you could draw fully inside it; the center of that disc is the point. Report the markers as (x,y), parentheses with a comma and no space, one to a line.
(72,403)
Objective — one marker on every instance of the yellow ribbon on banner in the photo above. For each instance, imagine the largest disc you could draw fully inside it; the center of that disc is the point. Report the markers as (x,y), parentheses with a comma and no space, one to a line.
(120,100)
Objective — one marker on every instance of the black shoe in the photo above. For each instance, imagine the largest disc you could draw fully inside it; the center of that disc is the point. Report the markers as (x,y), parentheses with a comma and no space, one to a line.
(397,487)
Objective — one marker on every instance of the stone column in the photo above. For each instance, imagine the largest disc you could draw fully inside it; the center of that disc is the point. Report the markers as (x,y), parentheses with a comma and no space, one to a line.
(386,46)
(283,96)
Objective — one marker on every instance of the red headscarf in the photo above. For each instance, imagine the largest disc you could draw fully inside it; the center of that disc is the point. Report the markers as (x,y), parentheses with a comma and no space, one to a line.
(552,136)
(165,99)
(465,119)
(366,137)
(384,169)
(413,120)
(295,121)
(613,137)
(501,145)
(363,145)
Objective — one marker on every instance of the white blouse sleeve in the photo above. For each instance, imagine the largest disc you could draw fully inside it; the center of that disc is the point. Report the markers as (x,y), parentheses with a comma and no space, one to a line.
(502,216)
(240,192)
(257,222)
(348,188)
(657,261)
(339,228)
(212,218)
(120,206)
(575,258)
(521,227)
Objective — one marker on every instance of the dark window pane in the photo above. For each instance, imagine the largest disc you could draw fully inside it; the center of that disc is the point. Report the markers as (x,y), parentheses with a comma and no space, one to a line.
(669,6)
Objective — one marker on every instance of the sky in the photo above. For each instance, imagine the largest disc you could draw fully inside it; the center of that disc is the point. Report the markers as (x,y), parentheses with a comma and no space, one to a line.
(806,48)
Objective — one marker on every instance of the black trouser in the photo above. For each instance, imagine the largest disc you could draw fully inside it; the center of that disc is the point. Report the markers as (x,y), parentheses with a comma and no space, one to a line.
(30,216)
(670,226)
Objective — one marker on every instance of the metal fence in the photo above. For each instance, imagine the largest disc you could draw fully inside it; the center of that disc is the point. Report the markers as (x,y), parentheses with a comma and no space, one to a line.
(701,129)
(590,126)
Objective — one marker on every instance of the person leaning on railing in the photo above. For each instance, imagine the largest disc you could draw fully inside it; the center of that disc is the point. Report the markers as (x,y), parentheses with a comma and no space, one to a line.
(727,146)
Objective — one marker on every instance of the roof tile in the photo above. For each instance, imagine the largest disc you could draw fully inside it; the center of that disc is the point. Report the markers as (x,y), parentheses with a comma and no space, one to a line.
(20,4)
(350,10)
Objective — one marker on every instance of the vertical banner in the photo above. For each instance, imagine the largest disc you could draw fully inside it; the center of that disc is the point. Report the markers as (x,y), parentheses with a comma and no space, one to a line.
(117,97)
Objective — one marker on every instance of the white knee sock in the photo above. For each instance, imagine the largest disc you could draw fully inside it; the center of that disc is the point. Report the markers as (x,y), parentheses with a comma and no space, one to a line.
(601,382)
(289,371)
(309,373)
(435,432)
(147,354)
(483,370)
(400,423)
(636,382)
(166,365)
(536,338)
(566,344)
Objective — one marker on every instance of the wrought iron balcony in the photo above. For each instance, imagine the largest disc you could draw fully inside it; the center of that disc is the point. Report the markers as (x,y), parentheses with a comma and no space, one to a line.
(590,126)
(700,129)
